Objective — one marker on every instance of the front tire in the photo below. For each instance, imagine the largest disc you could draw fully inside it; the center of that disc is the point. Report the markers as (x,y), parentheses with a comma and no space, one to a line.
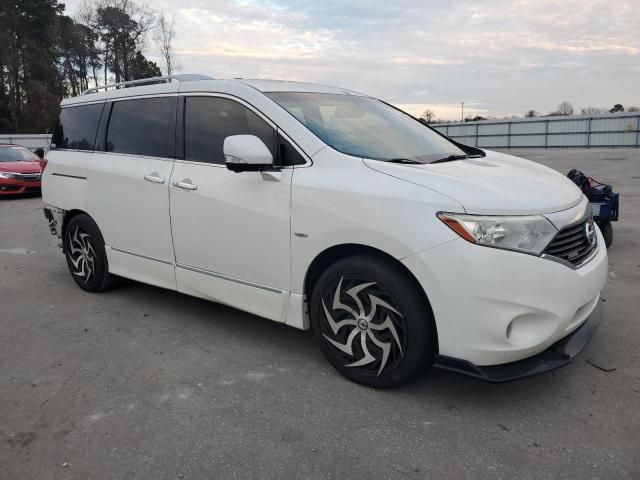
(86,255)
(372,321)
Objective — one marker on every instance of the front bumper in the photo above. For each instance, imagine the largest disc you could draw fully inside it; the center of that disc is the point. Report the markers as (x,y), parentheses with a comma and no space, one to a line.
(494,307)
(10,186)
(558,355)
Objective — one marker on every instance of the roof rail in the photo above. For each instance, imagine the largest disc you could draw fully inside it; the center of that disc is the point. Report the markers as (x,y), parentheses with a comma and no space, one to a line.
(185,77)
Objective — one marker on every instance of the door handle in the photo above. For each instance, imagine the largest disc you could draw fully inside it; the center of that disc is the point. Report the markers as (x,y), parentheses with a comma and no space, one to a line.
(185,185)
(154,178)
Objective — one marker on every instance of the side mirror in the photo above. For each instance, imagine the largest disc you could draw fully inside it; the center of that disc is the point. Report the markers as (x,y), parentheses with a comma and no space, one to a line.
(246,153)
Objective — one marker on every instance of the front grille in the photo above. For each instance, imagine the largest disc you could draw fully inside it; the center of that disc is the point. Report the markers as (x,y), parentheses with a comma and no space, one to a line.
(28,177)
(572,244)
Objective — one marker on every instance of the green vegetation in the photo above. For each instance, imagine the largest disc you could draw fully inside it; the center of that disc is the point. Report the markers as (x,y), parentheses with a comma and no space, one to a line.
(46,55)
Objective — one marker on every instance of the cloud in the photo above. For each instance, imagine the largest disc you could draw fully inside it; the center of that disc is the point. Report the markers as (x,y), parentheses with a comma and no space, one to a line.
(502,56)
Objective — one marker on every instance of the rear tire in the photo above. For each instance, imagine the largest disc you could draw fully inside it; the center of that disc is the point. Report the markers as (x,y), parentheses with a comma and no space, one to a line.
(86,255)
(607,232)
(372,322)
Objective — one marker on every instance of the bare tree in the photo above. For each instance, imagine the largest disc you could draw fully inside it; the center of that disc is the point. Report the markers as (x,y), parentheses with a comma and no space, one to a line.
(121,26)
(428,115)
(592,111)
(617,108)
(531,114)
(565,108)
(633,109)
(86,15)
(163,38)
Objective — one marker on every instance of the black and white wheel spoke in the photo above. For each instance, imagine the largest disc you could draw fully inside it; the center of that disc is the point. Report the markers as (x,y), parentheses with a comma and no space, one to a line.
(363,325)
(81,254)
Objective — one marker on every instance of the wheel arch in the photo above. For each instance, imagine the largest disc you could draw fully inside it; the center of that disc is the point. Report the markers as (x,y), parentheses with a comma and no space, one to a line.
(337,252)
(71,214)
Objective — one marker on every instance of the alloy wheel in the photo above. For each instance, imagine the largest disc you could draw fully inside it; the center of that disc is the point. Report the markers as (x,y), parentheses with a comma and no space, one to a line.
(364,326)
(81,254)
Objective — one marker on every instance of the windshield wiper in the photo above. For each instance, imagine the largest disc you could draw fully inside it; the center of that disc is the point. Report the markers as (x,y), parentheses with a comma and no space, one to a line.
(450,158)
(404,160)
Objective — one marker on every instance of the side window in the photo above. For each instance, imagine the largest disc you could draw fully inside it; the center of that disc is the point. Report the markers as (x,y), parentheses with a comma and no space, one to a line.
(77,127)
(288,155)
(209,120)
(141,126)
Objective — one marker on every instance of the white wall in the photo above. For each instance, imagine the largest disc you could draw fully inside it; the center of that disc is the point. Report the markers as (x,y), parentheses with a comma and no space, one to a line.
(31,141)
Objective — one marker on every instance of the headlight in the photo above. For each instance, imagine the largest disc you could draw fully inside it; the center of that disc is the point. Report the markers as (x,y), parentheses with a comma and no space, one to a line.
(6,174)
(523,233)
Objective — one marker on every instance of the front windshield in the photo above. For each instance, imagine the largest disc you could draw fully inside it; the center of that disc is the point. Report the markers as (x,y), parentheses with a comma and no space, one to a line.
(365,127)
(13,153)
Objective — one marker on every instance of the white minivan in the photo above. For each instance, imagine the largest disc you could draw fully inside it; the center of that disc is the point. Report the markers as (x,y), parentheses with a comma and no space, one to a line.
(323,208)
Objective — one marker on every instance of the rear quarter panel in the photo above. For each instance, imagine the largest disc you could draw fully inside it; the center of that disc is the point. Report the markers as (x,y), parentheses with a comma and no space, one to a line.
(64,179)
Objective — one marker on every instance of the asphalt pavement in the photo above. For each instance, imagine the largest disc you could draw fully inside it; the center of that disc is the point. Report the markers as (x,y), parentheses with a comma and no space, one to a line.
(144,383)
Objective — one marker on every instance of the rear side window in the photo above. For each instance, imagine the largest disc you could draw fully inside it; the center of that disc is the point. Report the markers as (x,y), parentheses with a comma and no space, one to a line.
(141,126)
(77,127)
(209,120)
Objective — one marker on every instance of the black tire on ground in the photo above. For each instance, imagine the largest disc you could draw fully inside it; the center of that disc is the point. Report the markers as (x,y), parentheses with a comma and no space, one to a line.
(607,232)
(86,256)
(372,321)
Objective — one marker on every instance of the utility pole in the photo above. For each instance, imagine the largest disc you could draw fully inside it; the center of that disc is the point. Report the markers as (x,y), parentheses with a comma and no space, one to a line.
(462,112)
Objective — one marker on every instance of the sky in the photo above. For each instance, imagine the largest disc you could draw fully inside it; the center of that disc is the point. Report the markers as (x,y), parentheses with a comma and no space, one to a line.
(500,57)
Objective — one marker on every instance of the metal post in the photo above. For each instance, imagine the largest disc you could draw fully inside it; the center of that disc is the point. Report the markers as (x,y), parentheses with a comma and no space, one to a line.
(638,133)
(589,134)
(546,134)
(509,134)
(477,125)
(462,113)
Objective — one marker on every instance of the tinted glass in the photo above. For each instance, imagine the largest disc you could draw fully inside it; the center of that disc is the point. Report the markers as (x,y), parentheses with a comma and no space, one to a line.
(365,127)
(77,127)
(141,126)
(288,155)
(15,153)
(208,121)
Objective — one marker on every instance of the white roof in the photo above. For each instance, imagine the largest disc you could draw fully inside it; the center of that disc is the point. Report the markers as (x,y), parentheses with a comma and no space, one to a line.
(287,86)
(201,83)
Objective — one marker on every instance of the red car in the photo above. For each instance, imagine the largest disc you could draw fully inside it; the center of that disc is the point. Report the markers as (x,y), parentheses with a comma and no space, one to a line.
(20,170)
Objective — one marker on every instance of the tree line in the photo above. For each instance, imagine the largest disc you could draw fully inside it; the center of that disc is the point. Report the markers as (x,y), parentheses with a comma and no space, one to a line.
(565,108)
(46,55)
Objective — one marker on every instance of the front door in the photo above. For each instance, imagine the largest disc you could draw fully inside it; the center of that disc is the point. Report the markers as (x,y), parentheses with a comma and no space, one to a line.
(231,231)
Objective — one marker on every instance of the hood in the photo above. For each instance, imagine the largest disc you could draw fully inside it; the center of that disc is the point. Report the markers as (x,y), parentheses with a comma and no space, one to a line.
(497,184)
(21,167)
